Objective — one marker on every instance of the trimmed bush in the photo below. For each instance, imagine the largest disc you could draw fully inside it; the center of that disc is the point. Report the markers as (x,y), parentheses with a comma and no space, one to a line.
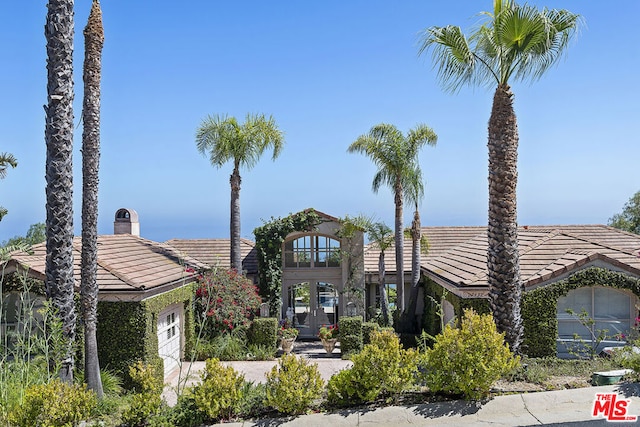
(350,335)
(367,328)
(383,368)
(470,359)
(55,404)
(264,332)
(220,391)
(293,385)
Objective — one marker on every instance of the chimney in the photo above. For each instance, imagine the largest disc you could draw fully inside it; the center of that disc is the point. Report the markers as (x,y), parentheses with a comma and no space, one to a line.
(126,222)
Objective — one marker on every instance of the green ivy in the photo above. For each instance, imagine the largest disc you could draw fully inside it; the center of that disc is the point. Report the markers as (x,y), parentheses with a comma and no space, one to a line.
(539,306)
(127,331)
(269,239)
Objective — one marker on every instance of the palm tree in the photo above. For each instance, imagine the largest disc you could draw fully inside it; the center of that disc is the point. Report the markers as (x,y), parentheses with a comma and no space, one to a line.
(419,245)
(227,140)
(396,157)
(515,43)
(6,160)
(94,41)
(381,236)
(59,173)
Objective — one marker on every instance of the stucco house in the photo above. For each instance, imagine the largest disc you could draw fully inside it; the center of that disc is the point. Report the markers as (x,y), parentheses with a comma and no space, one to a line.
(145,289)
(566,267)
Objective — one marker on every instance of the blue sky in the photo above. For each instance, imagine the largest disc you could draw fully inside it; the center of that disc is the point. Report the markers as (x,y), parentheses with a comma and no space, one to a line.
(327,71)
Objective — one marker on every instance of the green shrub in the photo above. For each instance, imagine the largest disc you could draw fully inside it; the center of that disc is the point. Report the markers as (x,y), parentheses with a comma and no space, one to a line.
(264,332)
(252,404)
(147,391)
(220,391)
(350,335)
(186,412)
(470,359)
(383,368)
(261,352)
(293,385)
(55,404)
(367,328)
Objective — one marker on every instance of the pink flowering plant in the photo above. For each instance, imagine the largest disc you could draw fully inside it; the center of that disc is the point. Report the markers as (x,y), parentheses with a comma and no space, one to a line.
(226,300)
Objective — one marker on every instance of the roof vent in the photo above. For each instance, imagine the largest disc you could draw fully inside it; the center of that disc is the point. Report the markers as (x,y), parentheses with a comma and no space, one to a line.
(126,222)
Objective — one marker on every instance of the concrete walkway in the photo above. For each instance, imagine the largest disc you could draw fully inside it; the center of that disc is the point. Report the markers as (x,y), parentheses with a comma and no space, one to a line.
(530,409)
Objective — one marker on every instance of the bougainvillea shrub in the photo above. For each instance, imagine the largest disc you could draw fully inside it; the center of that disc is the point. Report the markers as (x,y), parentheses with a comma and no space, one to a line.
(225,300)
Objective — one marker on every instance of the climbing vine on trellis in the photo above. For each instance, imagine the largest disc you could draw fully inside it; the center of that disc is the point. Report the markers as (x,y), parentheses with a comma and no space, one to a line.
(269,239)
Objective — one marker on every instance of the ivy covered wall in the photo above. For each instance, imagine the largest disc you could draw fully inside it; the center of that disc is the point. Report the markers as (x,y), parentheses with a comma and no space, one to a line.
(128,331)
(433,298)
(538,306)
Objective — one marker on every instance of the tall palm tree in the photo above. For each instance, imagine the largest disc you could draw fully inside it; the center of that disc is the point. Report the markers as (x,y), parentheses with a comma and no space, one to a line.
(59,173)
(517,42)
(381,236)
(6,160)
(227,140)
(93,41)
(419,245)
(396,157)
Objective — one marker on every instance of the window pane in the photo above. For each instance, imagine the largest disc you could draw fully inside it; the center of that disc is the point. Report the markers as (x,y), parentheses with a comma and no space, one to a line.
(576,300)
(567,329)
(611,304)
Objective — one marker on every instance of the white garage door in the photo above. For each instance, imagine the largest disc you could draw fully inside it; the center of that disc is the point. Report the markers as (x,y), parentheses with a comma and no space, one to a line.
(170,336)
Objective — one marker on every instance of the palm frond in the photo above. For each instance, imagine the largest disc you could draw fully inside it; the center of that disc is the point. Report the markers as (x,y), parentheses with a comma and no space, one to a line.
(451,54)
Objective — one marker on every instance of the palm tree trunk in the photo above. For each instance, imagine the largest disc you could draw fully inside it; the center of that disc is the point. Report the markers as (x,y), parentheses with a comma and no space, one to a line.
(94,41)
(399,241)
(236,256)
(382,289)
(503,257)
(416,235)
(59,173)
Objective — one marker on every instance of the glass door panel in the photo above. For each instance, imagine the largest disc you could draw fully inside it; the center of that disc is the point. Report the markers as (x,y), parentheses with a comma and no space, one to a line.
(300,309)
(326,303)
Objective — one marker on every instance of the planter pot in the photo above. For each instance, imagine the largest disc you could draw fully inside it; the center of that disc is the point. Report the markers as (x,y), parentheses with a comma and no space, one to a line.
(329,344)
(608,377)
(287,344)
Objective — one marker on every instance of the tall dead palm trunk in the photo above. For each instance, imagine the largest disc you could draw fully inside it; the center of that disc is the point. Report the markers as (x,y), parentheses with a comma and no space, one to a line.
(94,41)
(59,174)
(503,265)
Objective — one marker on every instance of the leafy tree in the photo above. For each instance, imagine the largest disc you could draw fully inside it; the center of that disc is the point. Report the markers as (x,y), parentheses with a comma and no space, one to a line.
(94,41)
(36,234)
(516,42)
(381,236)
(6,160)
(629,218)
(396,157)
(224,139)
(59,280)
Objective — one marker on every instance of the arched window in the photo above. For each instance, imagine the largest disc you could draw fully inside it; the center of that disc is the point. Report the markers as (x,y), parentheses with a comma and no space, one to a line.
(585,314)
(312,251)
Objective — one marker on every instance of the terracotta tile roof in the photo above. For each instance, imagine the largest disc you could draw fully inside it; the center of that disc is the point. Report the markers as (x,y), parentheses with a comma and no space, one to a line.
(216,252)
(457,255)
(125,263)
